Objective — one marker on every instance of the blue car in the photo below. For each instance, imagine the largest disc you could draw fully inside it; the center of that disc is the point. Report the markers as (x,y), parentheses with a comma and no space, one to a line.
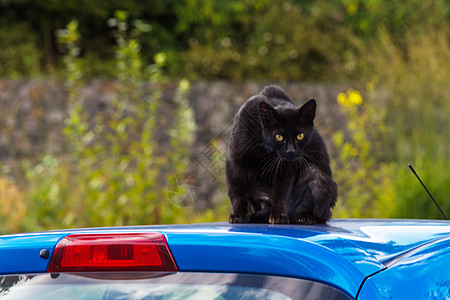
(343,259)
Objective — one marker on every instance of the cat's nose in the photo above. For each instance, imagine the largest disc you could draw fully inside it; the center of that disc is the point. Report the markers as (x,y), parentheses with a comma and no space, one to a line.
(291,155)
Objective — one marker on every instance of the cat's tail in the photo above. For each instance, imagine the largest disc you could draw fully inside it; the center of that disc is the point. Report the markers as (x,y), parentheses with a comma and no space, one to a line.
(262,211)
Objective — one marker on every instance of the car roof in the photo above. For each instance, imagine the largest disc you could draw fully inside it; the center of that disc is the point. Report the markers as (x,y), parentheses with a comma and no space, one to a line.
(341,253)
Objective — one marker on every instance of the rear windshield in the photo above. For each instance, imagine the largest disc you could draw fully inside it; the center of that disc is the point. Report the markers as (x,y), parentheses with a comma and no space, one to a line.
(162,287)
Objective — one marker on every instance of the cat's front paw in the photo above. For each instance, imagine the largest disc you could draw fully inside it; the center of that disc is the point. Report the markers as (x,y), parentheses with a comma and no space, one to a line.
(278,219)
(239,218)
(307,219)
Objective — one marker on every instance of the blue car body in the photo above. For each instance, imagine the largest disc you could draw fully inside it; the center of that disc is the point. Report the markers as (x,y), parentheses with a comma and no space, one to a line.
(365,259)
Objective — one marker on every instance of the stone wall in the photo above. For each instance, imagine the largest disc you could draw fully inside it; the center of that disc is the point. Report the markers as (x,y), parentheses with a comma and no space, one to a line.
(33,112)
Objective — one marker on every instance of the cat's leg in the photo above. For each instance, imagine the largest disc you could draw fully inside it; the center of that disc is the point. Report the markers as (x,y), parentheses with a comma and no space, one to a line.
(237,192)
(313,198)
(260,211)
(260,201)
(282,189)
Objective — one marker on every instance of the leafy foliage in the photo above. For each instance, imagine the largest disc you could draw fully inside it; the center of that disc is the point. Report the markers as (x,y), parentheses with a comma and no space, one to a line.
(366,187)
(116,173)
(120,167)
(12,202)
(19,52)
(237,39)
(416,82)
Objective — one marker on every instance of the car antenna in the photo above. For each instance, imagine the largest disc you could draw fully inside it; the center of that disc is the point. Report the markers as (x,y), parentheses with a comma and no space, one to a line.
(414,172)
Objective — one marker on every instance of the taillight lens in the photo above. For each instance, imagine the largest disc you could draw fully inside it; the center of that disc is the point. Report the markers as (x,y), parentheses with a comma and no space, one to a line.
(112,252)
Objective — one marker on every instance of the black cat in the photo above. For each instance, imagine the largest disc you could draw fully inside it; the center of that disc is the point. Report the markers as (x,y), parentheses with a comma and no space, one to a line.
(278,169)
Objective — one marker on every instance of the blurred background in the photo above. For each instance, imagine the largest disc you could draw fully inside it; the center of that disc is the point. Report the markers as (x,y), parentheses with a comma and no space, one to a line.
(118,112)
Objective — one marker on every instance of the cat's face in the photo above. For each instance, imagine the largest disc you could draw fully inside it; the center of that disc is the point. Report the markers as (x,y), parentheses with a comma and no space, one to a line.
(287,131)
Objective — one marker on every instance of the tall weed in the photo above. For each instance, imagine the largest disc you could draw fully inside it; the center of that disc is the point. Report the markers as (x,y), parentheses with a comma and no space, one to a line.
(116,171)
(13,206)
(122,168)
(365,184)
(20,54)
(414,79)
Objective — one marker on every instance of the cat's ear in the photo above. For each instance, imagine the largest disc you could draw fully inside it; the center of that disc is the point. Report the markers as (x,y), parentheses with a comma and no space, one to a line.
(267,114)
(308,110)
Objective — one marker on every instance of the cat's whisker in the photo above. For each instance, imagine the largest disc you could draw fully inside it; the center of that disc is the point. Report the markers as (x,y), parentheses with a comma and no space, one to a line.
(314,160)
(268,166)
(276,165)
(279,166)
(305,162)
(316,151)
(300,163)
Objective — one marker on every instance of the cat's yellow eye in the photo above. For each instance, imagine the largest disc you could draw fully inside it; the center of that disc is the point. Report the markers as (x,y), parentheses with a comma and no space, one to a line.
(279,137)
(300,136)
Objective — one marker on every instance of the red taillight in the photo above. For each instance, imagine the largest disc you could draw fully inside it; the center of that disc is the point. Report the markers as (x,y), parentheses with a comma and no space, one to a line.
(112,252)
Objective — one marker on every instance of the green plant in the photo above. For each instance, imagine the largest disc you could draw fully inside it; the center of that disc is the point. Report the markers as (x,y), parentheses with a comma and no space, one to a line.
(414,79)
(317,48)
(412,201)
(365,183)
(235,39)
(13,206)
(19,53)
(52,194)
(116,170)
(121,166)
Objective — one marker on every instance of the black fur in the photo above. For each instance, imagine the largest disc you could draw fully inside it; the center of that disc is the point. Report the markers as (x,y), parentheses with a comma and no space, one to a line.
(278,181)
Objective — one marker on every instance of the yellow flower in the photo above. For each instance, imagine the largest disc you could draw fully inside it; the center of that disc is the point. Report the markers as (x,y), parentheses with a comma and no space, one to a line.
(342,98)
(354,97)
(350,98)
